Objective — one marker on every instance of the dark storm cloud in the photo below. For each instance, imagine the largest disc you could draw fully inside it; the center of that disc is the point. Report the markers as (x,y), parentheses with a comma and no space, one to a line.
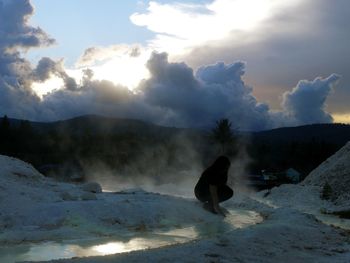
(47,67)
(218,91)
(214,92)
(14,29)
(302,42)
(16,74)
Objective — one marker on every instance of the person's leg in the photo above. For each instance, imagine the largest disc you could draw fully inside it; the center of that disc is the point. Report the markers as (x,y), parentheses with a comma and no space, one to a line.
(202,193)
(224,193)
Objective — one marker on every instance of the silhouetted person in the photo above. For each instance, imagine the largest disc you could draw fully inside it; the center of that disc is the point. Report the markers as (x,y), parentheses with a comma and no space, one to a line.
(211,188)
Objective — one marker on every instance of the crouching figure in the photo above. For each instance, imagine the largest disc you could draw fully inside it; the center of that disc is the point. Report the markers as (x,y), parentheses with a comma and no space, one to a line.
(212,189)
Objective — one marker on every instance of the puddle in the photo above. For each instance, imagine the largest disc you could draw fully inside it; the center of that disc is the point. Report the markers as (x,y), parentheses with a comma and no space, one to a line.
(127,242)
(83,248)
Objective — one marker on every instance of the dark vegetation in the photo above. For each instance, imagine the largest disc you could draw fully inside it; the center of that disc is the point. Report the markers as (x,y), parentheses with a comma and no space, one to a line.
(326,192)
(122,144)
(302,148)
(223,134)
(343,214)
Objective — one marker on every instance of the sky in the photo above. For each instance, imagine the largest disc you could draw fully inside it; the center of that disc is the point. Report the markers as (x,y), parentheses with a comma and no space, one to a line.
(260,63)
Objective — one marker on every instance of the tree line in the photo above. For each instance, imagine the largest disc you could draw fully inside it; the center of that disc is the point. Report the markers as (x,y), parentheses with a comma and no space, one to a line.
(121,151)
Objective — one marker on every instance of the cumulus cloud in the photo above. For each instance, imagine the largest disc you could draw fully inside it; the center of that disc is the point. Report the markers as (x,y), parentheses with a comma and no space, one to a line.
(198,100)
(174,94)
(306,103)
(16,35)
(218,91)
(15,32)
(16,74)
(47,67)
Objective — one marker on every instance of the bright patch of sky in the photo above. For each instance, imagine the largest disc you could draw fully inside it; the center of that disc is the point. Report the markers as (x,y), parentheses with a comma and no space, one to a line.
(181,26)
(80,24)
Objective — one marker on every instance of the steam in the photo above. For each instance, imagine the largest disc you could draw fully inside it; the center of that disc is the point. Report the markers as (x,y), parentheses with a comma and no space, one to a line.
(168,168)
(171,168)
(239,170)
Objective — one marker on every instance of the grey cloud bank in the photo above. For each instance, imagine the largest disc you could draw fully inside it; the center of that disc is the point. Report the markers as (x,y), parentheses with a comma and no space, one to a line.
(174,94)
(302,42)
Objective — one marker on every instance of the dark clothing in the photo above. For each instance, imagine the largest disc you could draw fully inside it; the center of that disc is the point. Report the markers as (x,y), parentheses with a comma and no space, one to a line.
(214,175)
(203,193)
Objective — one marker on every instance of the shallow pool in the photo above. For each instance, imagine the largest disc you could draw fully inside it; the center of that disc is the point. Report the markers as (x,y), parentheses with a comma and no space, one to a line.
(126,242)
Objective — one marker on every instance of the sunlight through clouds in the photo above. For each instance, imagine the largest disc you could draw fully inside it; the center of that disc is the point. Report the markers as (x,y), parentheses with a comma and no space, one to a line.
(179,27)
(201,75)
(125,70)
(42,88)
(183,26)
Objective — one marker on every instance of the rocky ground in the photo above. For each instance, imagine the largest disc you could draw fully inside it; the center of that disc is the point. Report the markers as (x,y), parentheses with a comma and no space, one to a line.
(284,225)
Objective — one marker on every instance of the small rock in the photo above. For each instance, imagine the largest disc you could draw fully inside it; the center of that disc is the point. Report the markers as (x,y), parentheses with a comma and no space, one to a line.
(92,187)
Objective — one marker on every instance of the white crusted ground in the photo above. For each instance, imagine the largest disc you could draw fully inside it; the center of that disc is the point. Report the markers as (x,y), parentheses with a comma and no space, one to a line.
(34,209)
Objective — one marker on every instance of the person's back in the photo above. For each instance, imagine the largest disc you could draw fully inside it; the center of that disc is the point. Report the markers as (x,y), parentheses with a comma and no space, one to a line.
(211,188)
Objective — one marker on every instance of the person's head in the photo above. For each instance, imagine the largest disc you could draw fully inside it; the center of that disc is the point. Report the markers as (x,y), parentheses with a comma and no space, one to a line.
(222,163)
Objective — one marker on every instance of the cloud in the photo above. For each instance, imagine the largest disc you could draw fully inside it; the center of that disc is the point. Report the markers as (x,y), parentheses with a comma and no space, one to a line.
(198,100)
(179,27)
(97,97)
(15,32)
(17,101)
(94,55)
(305,104)
(218,91)
(174,94)
(16,73)
(304,41)
(47,67)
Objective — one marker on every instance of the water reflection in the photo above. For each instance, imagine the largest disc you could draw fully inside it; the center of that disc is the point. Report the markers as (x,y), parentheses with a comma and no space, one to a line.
(128,242)
(109,248)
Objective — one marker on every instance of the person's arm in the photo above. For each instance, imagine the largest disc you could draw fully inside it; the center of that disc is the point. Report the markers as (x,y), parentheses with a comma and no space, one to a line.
(215,200)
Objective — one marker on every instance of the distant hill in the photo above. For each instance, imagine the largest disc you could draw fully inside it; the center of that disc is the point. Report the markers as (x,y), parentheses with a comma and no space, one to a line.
(331,133)
(94,124)
(302,148)
(337,134)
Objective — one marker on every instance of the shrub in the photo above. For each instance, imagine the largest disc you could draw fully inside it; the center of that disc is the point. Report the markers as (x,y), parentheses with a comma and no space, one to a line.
(326,192)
